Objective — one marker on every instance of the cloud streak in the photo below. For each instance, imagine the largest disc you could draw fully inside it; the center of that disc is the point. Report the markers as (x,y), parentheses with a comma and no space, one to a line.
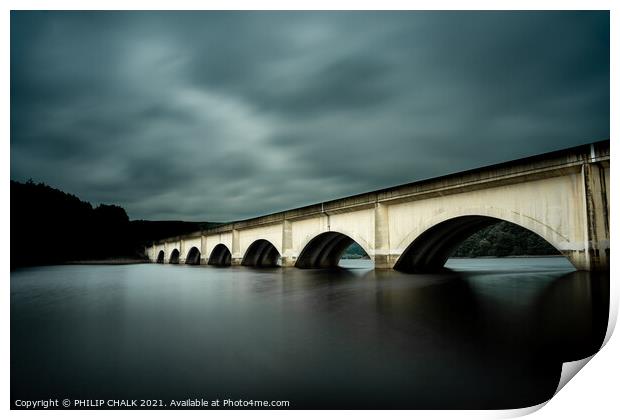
(226,115)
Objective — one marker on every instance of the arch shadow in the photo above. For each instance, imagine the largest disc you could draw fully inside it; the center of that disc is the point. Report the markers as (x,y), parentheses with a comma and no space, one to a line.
(432,248)
(193,256)
(261,253)
(324,250)
(160,257)
(174,256)
(220,256)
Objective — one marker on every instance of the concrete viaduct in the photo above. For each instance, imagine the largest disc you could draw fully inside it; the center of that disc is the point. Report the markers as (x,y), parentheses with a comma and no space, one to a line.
(562,196)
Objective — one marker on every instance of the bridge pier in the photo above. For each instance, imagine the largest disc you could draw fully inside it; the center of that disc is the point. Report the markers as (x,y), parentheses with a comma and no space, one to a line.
(236,258)
(288,254)
(204,259)
(383,259)
(596,208)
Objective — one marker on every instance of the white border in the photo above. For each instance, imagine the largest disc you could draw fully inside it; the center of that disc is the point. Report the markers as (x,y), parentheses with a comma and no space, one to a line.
(593,394)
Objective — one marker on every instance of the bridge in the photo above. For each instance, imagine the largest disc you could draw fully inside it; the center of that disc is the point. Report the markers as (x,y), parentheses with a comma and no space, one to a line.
(562,196)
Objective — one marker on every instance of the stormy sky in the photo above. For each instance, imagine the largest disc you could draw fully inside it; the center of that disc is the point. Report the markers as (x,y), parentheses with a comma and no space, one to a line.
(217,116)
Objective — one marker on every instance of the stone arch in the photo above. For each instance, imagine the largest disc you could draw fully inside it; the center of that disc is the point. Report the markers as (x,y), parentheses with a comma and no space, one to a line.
(174,256)
(220,256)
(193,256)
(261,253)
(555,238)
(363,242)
(430,247)
(324,250)
(160,257)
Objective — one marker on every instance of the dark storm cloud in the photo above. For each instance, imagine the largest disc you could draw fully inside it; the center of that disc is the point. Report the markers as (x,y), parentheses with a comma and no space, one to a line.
(221,115)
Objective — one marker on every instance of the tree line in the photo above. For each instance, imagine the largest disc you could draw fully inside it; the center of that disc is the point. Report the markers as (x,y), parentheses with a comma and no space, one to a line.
(504,239)
(49,226)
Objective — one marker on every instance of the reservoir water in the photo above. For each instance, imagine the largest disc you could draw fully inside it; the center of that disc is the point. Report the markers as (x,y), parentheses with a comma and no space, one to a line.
(489,333)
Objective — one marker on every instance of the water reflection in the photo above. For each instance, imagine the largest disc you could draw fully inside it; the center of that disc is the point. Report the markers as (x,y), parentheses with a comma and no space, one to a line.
(489,334)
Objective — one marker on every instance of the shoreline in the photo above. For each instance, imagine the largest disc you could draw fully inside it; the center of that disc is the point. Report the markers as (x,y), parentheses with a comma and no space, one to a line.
(111,261)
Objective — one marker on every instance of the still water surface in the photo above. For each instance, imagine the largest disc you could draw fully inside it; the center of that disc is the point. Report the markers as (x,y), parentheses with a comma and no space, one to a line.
(492,333)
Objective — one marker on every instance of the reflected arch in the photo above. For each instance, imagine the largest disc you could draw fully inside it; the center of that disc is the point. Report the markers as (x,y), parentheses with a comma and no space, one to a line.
(160,257)
(324,250)
(220,256)
(193,256)
(430,250)
(261,253)
(174,256)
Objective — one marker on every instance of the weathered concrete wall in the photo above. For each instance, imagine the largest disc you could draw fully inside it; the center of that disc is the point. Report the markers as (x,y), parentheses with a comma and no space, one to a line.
(302,232)
(562,196)
(153,252)
(187,244)
(271,233)
(553,214)
(169,247)
(596,210)
(358,225)
(211,241)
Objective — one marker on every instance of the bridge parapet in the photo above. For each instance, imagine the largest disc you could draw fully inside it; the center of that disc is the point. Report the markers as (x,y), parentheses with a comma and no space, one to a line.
(562,196)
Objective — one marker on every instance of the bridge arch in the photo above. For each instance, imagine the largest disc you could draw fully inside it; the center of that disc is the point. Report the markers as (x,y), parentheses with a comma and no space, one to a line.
(261,253)
(193,256)
(325,250)
(429,247)
(174,256)
(160,257)
(220,256)
(548,233)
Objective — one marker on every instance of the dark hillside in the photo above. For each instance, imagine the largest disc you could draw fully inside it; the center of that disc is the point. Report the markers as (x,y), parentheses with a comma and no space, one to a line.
(49,226)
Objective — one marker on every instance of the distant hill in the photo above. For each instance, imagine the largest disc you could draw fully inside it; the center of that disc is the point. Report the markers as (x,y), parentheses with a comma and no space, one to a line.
(504,239)
(49,226)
